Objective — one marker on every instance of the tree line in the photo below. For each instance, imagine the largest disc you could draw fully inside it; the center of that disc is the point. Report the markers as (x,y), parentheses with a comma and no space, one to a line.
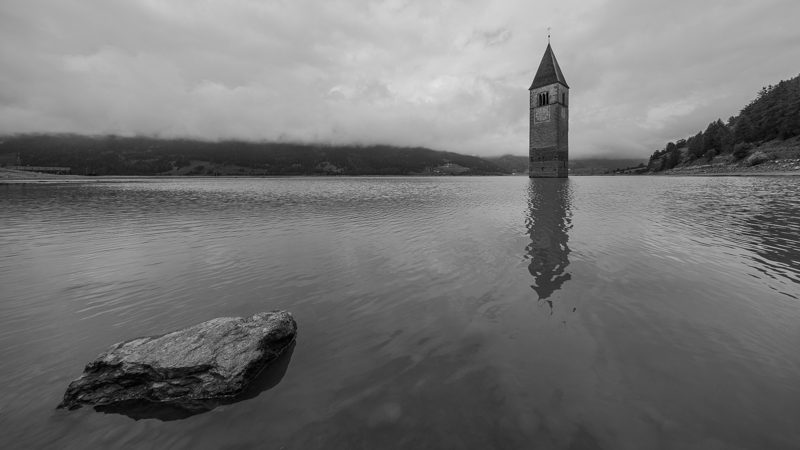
(773,114)
(140,155)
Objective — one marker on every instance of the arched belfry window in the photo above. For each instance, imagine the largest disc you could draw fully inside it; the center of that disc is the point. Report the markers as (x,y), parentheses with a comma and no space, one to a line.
(564,98)
(544,98)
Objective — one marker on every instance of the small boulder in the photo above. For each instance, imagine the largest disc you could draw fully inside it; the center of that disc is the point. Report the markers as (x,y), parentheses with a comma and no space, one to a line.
(186,368)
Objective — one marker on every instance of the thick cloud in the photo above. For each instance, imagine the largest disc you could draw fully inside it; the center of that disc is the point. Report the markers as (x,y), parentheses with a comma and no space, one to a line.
(450,75)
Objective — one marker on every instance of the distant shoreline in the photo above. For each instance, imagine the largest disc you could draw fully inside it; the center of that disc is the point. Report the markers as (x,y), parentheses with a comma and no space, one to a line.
(711,174)
(775,167)
(735,174)
(8,177)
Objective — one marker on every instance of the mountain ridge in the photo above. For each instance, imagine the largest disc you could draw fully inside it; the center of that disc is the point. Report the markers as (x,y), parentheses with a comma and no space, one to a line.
(139,155)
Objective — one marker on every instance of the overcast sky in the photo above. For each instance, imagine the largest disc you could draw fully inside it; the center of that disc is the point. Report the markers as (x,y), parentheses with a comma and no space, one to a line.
(448,75)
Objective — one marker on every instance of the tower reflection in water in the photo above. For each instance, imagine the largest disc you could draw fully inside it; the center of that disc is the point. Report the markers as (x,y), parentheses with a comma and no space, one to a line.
(548,222)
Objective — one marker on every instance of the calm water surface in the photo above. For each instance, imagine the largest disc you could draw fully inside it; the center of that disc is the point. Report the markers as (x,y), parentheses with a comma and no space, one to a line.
(589,313)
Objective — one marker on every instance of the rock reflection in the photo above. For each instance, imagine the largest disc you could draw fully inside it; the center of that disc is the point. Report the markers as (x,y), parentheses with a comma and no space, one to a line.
(266,380)
(548,222)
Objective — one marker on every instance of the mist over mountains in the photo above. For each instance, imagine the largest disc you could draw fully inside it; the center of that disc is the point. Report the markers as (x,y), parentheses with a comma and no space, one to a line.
(115,155)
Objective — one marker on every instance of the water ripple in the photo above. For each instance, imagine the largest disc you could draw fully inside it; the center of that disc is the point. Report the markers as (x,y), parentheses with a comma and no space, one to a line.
(433,312)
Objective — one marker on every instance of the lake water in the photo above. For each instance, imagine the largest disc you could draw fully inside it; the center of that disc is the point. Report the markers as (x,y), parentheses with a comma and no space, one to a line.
(497,312)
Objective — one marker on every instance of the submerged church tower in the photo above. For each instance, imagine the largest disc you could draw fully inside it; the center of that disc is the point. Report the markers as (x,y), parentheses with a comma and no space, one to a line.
(549,129)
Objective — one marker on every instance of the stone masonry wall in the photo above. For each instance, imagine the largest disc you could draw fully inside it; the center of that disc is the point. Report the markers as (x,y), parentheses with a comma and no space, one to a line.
(549,133)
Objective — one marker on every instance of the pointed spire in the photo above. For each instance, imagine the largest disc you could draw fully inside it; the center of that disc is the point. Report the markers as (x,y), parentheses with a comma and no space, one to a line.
(549,72)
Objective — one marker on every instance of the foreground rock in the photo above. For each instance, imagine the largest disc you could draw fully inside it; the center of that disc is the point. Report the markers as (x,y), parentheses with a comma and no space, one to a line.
(187,368)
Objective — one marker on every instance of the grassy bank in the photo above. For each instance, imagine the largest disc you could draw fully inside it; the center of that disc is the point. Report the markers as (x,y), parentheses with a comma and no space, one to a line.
(772,157)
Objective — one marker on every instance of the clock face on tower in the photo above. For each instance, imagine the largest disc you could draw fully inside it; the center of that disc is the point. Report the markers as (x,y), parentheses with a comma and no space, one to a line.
(541,114)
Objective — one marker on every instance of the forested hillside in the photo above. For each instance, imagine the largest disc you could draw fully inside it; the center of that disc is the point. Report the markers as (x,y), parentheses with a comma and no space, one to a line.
(512,163)
(773,115)
(113,155)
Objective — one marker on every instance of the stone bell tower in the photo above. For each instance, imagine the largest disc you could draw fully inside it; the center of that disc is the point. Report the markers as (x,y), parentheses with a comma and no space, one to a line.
(549,126)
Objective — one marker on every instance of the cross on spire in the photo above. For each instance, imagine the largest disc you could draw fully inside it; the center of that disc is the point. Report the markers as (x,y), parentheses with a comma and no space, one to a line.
(548,35)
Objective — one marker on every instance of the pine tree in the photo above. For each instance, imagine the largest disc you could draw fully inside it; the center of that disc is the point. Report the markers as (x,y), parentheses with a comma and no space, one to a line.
(674,158)
(710,136)
(723,138)
(743,130)
(696,145)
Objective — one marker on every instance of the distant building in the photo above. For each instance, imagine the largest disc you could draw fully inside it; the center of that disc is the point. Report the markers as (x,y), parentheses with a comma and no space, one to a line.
(549,121)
